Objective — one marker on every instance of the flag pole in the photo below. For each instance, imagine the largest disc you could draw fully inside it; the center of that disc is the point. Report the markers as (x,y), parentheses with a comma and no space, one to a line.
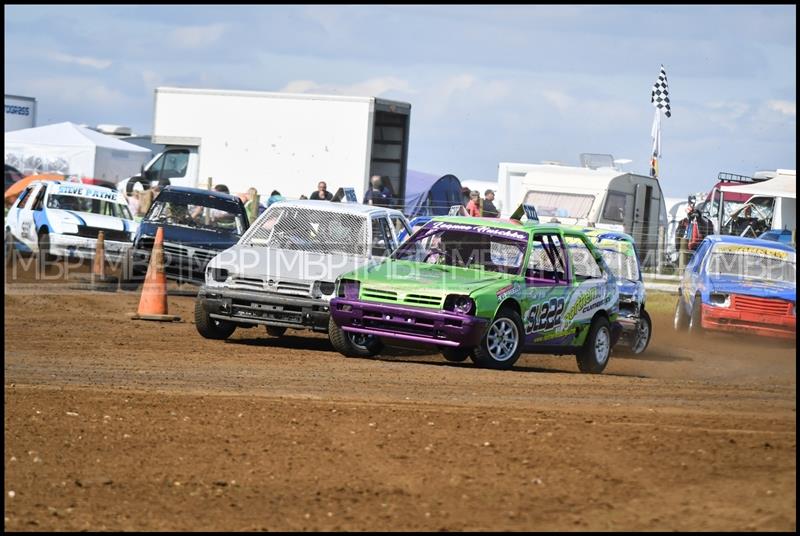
(655,132)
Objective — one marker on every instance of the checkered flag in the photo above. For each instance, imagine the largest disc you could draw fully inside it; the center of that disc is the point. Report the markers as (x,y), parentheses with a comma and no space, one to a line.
(660,94)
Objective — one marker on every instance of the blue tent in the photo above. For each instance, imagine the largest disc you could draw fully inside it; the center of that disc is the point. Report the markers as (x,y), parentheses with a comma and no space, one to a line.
(430,195)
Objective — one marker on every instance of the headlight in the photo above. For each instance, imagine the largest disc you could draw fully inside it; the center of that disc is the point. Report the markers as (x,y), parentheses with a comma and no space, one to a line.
(216,275)
(69,228)
(348,289)
(720,299)
(325,288)
(459,304)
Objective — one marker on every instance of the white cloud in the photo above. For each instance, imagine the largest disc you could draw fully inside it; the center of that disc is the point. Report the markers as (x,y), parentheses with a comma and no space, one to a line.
(559,99)
(784,107)
(373,87)
(86,61)
(71,90)
(197,36)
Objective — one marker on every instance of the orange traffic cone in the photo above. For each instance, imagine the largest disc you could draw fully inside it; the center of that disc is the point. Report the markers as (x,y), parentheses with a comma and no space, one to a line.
(99,266)
(153,303)
(98,280)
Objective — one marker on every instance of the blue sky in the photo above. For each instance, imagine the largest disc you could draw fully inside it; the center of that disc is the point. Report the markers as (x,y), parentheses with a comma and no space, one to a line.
(487,84)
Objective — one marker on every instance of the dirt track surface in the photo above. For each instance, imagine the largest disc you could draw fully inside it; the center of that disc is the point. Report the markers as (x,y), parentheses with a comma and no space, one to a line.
(112,424)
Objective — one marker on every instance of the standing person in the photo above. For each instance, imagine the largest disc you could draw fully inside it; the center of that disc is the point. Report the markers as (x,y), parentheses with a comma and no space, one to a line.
(377,194)
(251,205)
(321,193)
(465,196)
(147,197)
(474,205)
(489,210)
(273,197)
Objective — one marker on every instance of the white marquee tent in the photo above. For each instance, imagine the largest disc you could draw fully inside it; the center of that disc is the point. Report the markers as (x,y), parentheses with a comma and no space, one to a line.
(73,150)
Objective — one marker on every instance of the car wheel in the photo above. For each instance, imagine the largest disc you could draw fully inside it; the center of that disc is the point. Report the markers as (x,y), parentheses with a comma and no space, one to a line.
(681,319)
(696,319)
(353,344)
(502,345)
(9,246)
(593,355)
(43,256)
(275,331)
(456,355)
(644,330)
(211,328)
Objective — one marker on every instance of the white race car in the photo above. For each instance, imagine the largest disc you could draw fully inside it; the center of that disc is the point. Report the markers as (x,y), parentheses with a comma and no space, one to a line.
(59,218)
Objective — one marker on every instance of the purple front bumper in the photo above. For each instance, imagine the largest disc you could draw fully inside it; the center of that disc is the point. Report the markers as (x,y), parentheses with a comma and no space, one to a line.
(408,323)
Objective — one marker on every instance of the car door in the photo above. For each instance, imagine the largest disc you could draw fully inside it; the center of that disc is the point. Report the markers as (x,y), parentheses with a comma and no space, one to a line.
(401,228)
(693,275)
(383,238)
(547,290)
(13,218)
(592,289)
(26,226)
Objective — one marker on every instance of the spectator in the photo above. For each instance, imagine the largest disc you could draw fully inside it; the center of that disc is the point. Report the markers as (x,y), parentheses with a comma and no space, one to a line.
(377,194)
(213,214)
(251,205)
(474,205)
(321,193)
(147,197)
(303,197)
(489,210)
(465,196)
(273,197)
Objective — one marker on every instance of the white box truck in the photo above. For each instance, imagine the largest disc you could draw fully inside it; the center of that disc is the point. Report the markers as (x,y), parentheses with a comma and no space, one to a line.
(277,141)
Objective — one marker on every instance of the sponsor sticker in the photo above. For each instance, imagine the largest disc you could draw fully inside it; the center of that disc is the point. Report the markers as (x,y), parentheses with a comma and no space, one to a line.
(752,250)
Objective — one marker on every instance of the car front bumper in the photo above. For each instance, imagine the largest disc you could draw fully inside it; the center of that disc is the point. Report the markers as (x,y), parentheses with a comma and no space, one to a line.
(771,325)
(265,308)
(84,248)
(181,263)
(415,324)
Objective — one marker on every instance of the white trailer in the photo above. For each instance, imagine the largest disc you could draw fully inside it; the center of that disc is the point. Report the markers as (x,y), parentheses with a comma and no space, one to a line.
(603,197)
(278,141)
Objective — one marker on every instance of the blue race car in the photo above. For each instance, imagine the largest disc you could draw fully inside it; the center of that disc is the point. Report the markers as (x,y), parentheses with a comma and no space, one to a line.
(739,284)
(197,224)
(783,236)
(415,224)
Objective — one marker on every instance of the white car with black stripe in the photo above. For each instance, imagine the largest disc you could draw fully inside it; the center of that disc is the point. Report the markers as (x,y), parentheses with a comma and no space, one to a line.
(61,218)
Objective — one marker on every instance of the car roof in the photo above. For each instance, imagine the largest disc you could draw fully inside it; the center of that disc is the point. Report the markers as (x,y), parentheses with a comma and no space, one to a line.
(725,239)
(74,183)
(600,233)
(505,224)
(199,191)
(329,206)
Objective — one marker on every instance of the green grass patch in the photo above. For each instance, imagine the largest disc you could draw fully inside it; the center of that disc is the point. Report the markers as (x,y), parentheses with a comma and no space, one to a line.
(660,301)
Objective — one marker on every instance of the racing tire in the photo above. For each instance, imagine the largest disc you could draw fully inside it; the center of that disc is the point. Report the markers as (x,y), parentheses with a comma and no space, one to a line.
(9,246)
(43,256)
(502,344)
(594,354)
(353,345)
(275,331)
(696,318)
(456,355)
(211,328)
(644,332)
(680,320)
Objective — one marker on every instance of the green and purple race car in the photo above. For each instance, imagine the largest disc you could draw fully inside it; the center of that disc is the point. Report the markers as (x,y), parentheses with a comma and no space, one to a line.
(486,289)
